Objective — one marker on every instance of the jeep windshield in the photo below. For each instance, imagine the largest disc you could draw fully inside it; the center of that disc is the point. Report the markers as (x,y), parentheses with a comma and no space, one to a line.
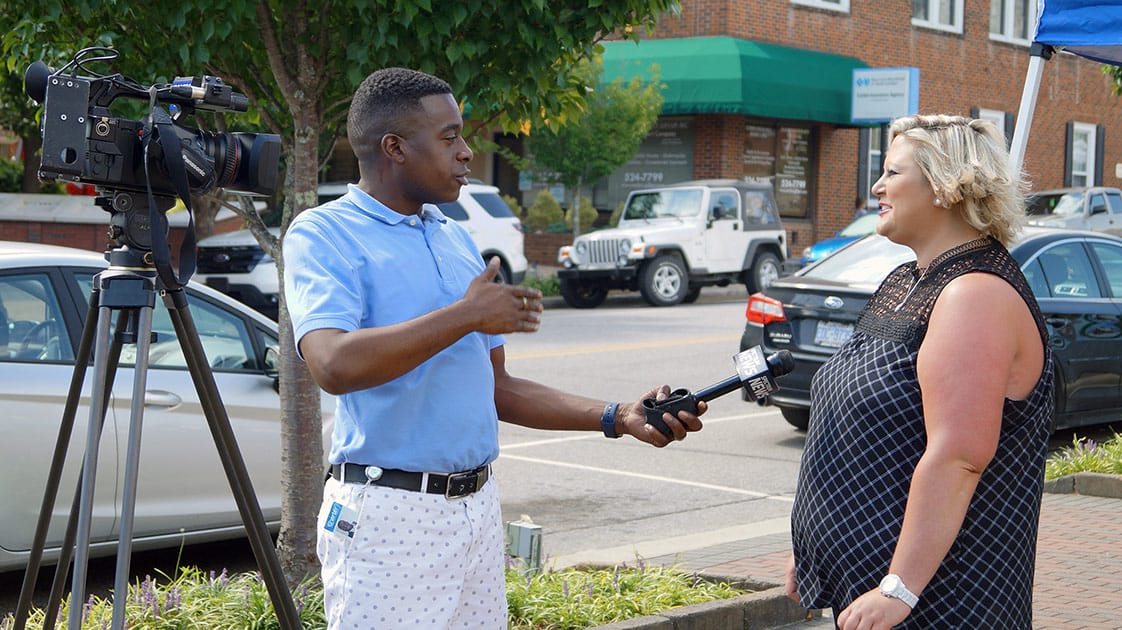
(664,204)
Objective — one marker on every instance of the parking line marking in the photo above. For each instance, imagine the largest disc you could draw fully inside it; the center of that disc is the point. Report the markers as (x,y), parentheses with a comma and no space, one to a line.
(624,473)
(616,347)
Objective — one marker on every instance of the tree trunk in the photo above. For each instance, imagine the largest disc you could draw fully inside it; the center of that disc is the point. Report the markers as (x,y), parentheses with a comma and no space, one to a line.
(302,461)
(576,207)
(31,149)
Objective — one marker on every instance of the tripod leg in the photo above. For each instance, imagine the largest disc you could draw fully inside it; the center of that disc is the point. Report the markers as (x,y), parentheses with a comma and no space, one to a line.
(232,460)
(132,464)
(66,550)
(89,468)
(54,475)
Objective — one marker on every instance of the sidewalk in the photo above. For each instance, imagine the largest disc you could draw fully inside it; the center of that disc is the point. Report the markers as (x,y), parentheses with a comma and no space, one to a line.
(1078,563)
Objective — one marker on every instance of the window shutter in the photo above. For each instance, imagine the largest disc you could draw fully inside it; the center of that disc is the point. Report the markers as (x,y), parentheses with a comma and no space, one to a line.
(1010,127)
(1100,146)
(1069,135)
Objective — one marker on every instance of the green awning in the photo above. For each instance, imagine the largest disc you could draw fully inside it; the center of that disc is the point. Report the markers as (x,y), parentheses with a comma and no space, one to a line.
(726,75)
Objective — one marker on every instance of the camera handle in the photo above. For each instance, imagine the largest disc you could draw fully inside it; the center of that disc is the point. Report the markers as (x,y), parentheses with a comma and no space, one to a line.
(129,287)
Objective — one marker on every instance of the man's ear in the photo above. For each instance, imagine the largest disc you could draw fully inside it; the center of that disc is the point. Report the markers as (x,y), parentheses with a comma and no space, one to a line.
(391,147)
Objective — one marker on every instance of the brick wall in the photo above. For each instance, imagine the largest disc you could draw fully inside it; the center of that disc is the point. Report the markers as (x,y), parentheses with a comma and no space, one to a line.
(957,72)
(541,249)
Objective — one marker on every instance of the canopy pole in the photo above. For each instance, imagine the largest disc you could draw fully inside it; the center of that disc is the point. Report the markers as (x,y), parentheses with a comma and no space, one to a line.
(1039,54)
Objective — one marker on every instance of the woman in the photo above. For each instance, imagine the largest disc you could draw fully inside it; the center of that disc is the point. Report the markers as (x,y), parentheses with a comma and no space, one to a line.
(919,491)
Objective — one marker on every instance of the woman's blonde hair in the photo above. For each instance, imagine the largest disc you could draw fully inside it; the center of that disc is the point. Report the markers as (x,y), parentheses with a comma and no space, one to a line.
(967,164)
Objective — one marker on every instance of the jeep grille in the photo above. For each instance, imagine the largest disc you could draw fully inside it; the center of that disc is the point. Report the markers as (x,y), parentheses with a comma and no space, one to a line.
(229,259)
(603,251)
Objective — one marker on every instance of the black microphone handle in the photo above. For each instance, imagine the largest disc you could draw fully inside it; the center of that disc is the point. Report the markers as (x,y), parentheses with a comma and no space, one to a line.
(715,390)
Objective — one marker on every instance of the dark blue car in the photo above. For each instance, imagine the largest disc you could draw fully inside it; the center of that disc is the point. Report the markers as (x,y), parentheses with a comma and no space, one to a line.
(1075,275)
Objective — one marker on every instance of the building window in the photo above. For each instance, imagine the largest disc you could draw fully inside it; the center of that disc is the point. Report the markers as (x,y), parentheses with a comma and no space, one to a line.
(1081,158)
(833,5)
(943,15)
(1003,120)
(782,156)
(1013,21)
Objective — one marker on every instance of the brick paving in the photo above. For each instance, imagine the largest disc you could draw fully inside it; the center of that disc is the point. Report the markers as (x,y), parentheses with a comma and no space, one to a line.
(1078,564)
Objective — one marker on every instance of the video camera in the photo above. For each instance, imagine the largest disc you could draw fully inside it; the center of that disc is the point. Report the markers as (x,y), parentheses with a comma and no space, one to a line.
(141,166)
(83,141)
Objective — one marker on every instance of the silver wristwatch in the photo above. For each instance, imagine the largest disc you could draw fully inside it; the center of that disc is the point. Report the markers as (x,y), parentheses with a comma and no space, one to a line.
(892,586)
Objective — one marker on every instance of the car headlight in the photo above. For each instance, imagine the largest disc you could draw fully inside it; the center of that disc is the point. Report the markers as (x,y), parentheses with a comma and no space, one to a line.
(624,247)
(806,252)
(582,248)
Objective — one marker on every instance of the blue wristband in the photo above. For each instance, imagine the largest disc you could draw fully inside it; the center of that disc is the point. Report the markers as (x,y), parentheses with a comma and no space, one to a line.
(608,420)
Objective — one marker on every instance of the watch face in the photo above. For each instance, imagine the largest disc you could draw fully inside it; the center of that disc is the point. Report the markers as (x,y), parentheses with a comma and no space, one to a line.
(889,583)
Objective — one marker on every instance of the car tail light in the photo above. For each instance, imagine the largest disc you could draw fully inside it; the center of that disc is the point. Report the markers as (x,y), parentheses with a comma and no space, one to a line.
(764,310)
(518,227)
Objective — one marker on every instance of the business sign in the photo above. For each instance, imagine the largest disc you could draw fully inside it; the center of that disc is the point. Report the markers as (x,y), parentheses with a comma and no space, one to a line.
(881,95)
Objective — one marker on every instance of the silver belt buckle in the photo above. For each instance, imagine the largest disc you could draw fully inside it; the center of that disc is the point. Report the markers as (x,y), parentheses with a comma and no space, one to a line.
(461,484)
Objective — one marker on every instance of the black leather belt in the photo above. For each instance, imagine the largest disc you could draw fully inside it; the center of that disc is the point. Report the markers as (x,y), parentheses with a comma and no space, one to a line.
(451,486)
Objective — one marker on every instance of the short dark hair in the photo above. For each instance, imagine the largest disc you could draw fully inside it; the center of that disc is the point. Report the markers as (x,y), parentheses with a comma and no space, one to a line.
(381,103)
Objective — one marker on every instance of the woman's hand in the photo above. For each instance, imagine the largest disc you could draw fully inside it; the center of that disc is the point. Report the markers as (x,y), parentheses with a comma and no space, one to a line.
(873,611)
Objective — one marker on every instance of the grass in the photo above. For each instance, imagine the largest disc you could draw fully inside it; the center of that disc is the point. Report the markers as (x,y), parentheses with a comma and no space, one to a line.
(1086,456)
(548,285)
(561,600)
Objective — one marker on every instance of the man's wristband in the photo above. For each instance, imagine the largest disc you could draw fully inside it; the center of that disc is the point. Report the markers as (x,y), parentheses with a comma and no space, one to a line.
(608,420)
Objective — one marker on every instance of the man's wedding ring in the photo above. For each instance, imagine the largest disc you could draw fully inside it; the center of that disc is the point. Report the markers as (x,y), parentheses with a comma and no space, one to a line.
(525,304)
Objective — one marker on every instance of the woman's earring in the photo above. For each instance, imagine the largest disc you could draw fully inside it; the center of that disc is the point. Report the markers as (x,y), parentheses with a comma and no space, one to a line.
(938,201)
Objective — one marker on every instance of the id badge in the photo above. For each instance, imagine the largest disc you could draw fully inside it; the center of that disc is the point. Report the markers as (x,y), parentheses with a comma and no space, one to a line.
(341,520)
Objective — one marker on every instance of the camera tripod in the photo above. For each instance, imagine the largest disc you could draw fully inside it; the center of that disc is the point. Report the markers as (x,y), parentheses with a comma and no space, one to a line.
(129,286)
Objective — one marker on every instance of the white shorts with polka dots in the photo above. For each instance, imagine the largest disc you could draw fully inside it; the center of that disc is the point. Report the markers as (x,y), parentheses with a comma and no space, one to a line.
(414,559)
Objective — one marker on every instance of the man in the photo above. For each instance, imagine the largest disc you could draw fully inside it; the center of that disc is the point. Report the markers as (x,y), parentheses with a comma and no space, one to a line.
(394,312)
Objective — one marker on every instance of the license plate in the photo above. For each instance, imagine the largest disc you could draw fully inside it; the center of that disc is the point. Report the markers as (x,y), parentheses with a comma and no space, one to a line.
(832,334)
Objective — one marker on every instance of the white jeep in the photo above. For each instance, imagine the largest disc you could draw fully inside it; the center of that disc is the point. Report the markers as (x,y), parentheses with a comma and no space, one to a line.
(673,240)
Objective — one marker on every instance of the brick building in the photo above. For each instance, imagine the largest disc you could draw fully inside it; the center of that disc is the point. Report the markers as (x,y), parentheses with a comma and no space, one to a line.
(972,57)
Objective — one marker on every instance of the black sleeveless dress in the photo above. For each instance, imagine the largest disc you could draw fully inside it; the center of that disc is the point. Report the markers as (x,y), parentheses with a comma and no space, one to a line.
(865,437)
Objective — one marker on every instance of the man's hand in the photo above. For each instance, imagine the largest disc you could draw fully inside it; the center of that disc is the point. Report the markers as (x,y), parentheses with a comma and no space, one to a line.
(873,611)
(502,308)
(632,419)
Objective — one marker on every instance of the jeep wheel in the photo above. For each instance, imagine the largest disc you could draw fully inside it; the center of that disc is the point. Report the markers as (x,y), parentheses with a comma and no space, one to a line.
(663,281)
(579,295)
(765,270)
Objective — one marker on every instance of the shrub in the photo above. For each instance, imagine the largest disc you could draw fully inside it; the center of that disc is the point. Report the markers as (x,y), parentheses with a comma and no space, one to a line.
(588,215)
(616,214)
(1086,456)
(515,207)
(11,175)
(544,212)
(549,285)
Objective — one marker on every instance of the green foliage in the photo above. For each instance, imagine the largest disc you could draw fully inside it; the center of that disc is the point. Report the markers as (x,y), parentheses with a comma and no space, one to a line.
(11,175)
(515,207)
(544,212)
(560,600)
(616,214)
(1114,72)
(616,119)
(588,214)
(575,598)
(1086,456)
(549,285)
(197,600)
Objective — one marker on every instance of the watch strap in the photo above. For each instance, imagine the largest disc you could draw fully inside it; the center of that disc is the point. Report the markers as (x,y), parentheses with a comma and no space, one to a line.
(608,420)
(892,586)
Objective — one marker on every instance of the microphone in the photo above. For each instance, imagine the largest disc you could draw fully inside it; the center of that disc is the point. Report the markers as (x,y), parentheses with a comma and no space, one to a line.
(754,372)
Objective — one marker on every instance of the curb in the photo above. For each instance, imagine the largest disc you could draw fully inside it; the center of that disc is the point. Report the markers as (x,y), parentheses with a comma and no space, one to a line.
(1087,484)
(768,607)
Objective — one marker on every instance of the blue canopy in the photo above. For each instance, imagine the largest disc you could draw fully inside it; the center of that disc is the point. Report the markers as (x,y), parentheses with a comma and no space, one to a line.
(1088,28)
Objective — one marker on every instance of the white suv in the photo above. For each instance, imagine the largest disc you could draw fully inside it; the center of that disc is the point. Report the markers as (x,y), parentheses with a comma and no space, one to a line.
(235,264)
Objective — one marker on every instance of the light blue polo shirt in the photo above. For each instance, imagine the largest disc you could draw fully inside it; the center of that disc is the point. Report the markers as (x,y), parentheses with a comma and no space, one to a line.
(354,263)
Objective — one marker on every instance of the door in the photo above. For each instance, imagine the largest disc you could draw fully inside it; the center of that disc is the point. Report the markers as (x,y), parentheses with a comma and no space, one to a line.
(37,324)
(1083,323)
(724,239)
